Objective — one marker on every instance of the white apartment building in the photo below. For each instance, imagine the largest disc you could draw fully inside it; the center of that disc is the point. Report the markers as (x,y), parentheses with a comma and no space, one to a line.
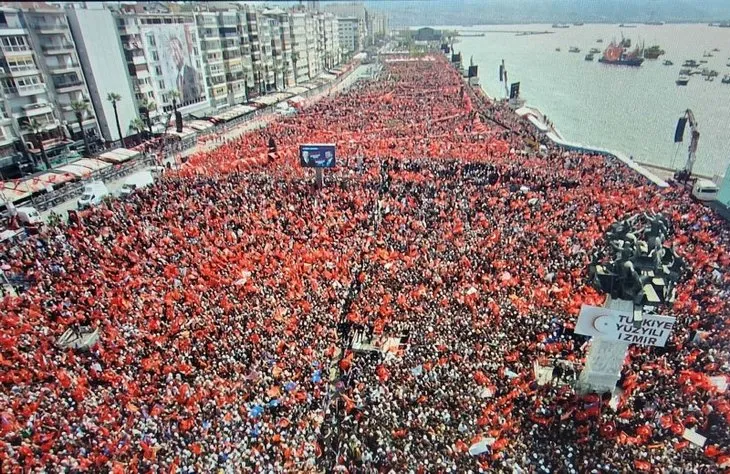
(104,65)
(40,77)
(168,64)
(350,34)
(300,56)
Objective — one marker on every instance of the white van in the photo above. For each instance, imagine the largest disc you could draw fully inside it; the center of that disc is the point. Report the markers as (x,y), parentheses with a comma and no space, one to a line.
(92,195)
(705,190)
(136,181)
(285,109)
(28,215)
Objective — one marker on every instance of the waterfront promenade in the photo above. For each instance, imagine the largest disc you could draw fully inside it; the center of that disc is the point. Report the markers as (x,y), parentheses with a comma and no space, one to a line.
(226,297)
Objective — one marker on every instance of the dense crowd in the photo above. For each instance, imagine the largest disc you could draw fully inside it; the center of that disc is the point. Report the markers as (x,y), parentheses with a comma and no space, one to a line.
(227,294)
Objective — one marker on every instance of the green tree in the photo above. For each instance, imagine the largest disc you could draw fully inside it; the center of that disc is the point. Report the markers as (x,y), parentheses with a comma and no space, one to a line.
(295,60)
(80,107)
(37,129)
(138,125)
(113,97)
(147,107)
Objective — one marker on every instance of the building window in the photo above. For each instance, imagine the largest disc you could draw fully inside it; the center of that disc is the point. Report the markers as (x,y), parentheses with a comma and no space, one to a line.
(15,43)
(158,70)
(155,56)
(161,85)
(151,39)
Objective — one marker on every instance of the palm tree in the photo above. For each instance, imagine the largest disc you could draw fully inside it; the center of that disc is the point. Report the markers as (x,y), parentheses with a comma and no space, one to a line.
(138,125)
(174,95)
(113,97)
(37,128)
(146,107)
(80,107)
(295,59)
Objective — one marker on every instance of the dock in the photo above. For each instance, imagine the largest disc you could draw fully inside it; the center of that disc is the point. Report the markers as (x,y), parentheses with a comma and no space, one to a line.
(537,119)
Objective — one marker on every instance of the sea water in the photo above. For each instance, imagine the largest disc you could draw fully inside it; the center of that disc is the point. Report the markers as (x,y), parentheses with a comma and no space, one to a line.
(629,109)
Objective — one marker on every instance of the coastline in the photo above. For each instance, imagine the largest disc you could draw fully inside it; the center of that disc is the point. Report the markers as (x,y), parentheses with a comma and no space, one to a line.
(537,119)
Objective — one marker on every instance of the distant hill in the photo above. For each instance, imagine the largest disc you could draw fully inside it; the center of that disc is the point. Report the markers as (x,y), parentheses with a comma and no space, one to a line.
(473,12)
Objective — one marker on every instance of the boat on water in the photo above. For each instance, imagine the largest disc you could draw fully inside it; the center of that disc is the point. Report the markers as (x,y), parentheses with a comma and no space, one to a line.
(560,25)
(685,71)
(715,50)
(620,56)
(653,52)
(595,51)
(557,49)
(599,40)
(580,23)
(589,57)
(574,49)
(622,25)
(682,80)
(726,79)
(707,55)
(703,61)
(709,78)
(654,23)
(668,63)
(690,63)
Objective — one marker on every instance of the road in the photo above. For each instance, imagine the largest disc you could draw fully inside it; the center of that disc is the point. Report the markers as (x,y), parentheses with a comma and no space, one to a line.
(114,186)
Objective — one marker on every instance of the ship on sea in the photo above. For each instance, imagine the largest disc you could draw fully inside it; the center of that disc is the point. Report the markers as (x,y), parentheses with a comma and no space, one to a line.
(619,55)
(653,52)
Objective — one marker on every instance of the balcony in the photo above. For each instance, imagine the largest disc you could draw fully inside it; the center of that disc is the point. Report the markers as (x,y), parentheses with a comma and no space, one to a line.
(13,50)
(57,48)
(23,72)
(63,68)
(32,110)
(68,86)
(25,91)
(137,60)
(53,28)
(129,29)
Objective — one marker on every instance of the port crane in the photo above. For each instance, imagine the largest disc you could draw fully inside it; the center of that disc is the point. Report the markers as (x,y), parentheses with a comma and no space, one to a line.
(685,174)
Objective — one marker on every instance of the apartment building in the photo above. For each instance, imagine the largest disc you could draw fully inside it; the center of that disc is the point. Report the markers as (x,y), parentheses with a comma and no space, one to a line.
(377,24)
(300,56)
(168,62)
(104,64)
(350,34)
(40,79)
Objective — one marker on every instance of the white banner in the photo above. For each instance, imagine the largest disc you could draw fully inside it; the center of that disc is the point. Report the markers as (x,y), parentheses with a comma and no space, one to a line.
(612,325)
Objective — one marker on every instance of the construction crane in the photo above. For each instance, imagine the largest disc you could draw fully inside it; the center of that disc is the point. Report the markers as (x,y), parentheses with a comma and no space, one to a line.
(685,174)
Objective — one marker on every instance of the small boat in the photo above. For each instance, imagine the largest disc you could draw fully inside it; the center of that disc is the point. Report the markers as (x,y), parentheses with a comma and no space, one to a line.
(682,80)
(574,49)
(726,79)
(709,78)
(557,49)
(622,25)
(685,72)
(690,63)
(589,57)
(653,52)
(707,55)
(715,50)
(703,61)
(728,65)
(668,63)
(580,23)
(599,40)
(595,51)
